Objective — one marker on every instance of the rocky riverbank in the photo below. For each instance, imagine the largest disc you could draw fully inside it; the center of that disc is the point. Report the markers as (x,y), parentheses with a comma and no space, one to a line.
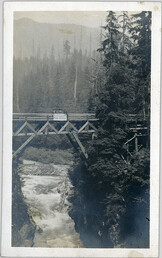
(23,227)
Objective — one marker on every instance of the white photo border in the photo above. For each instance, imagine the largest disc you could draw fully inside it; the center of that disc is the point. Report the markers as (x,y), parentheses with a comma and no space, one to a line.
(9,9)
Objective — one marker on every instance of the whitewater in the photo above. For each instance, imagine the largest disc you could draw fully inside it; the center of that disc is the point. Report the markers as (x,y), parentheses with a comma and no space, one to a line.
(46,189)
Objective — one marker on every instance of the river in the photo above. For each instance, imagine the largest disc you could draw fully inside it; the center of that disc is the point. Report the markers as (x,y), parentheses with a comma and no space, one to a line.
(46,189)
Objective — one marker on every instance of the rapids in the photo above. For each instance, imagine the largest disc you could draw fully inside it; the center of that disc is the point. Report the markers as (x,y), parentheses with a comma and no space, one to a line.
(46,188)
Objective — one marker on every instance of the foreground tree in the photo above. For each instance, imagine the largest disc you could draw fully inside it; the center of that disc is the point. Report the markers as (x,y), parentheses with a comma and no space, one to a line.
(141,60)
(118,182)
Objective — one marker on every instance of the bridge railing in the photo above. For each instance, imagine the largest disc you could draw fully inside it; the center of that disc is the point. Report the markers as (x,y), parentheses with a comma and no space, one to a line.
(81,116)
(50,116)
(136,117)
(70,117)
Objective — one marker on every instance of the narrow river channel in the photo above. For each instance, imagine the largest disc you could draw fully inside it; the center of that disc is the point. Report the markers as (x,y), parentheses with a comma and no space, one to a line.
(46,188)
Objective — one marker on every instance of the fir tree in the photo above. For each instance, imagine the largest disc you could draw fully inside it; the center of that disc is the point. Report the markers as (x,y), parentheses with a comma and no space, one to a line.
(111,172)
(110,44)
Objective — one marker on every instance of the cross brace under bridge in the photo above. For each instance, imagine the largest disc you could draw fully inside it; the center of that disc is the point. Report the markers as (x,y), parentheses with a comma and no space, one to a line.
(36,124)
(72,125)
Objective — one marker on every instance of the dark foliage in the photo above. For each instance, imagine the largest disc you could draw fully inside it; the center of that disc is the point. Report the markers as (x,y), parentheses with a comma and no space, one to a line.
(116,180)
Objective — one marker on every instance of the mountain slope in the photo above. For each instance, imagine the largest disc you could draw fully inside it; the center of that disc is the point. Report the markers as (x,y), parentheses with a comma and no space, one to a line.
(32,38)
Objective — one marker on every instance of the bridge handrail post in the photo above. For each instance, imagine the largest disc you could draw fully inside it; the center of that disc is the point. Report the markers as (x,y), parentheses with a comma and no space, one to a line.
(88,123)
(25,126)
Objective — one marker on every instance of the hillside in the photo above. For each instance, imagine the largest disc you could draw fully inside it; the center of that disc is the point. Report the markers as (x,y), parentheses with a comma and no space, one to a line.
(33,38)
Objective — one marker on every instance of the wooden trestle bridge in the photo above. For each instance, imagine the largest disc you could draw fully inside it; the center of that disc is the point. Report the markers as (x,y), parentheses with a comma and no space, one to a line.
(72,124)
(35,124)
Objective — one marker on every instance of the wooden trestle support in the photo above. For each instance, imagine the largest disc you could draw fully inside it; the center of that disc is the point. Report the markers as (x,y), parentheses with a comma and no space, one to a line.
(137,134)
(31,129)
(32,125)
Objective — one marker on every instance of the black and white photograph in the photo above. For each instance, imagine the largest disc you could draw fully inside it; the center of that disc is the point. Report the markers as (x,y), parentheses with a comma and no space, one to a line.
(82,159)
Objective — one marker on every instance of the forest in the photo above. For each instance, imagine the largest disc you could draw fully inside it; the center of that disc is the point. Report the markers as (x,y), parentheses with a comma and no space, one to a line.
(112,81)
(117,185)
(64,84)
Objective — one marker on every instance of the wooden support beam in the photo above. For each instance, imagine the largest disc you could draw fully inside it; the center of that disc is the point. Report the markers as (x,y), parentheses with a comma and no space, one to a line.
(23,145)
(84,126)
(20,129)
(31,128)
(134,129)
(73,143)
(72,126)
(53,128)
(63,127)
(46,130)
(91,125)
(25,128)
(128,147)
(94,135)
(124,159)
(129,140)
(29,140)
(80,145)
(136,143)
(51,133)
(89,131)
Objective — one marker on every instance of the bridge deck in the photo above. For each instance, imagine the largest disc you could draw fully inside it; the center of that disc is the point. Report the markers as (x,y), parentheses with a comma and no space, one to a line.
(49,117)
(70,117)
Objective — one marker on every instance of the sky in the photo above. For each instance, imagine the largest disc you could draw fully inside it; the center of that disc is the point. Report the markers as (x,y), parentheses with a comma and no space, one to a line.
(91,19)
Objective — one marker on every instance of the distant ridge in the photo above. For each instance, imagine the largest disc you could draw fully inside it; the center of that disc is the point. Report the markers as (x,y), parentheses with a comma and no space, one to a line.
(29,20)
(32,38)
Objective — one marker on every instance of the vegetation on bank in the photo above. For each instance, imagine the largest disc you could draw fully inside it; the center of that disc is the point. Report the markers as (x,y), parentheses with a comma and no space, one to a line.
(46,156)
(116,181)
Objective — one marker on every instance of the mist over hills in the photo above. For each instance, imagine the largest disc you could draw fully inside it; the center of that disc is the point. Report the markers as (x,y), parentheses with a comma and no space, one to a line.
(33,38)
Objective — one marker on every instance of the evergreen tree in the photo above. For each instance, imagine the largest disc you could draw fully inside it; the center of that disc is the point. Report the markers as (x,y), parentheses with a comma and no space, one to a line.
(111,172)
(67,49)
(141,60)
(110,44)
(125,40)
